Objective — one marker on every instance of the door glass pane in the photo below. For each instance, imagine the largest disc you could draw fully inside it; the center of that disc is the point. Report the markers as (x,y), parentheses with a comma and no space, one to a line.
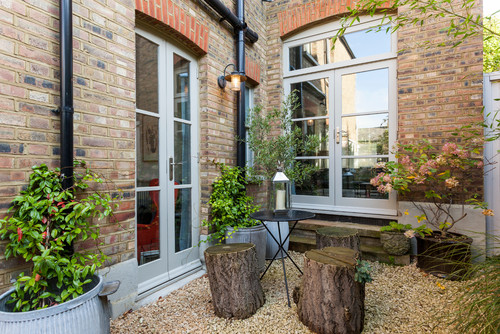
(353,45)
(312,98)
(148,226)
(181,86)
(317,183)
(147,150)
(365,135)
(317,127)
(182,219)
(146,73)
(356,175)
(365,91)
(182,153)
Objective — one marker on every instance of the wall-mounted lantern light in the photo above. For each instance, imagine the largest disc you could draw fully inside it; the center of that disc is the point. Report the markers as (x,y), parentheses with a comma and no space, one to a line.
(235,78)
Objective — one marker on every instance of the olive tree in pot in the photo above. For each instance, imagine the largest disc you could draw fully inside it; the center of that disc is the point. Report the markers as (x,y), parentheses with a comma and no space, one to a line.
(436,183)
(45,222)
(230,210)
(276,141)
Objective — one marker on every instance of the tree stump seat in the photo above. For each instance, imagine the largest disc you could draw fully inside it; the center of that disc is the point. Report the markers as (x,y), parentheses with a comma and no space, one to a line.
(234,280)
(329,300)
(337,237)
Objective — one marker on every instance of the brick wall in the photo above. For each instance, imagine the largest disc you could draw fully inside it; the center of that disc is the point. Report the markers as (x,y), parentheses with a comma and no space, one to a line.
(104,96)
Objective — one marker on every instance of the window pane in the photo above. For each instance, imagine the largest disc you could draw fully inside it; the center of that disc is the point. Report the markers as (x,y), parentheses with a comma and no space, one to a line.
(182,153)
(365,43)
(248,104)
(147,151)
(317,127)
(146,74)
(148,226)
(317,183)
(312,98)
(353,45)
(365,135)
(311,54)
(182,219)
(356,175)
(365,91)
(181,86)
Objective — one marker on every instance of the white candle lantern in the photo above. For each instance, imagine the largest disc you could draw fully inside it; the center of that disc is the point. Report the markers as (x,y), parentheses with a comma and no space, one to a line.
(280,196)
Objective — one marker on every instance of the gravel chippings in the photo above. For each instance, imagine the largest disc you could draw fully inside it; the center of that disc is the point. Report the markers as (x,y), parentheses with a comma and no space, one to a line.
(399,300)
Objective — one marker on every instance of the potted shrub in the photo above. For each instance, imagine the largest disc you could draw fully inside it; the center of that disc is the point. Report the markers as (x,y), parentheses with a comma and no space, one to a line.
(393,239)
(230,210)
(276,141)
(436,182)
(44,223)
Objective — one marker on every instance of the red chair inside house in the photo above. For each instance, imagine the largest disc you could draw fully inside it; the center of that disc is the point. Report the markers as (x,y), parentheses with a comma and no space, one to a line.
(148,235)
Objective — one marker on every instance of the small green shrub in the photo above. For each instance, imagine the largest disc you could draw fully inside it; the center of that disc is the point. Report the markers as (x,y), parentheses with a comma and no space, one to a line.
(363,272)
(395,227)
(230,206)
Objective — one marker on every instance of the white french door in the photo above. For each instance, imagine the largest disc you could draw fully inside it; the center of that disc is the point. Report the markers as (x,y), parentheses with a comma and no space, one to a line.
(353,110)
(167,195)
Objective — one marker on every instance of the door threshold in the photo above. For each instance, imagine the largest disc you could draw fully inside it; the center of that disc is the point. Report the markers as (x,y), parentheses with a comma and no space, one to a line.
(162,290)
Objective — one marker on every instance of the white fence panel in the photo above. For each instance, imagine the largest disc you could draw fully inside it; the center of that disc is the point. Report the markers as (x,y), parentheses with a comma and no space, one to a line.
(491,97)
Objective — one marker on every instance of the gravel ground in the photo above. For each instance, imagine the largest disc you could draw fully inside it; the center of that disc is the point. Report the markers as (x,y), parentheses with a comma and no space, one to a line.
(399,300)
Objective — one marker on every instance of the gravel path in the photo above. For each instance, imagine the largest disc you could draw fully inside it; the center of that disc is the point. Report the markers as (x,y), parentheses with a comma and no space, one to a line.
(399,300)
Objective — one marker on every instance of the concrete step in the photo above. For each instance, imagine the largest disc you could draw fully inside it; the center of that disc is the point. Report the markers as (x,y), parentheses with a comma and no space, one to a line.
(364,230)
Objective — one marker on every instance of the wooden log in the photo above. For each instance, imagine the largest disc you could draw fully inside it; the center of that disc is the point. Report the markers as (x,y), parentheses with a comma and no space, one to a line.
(337,237)
(329,299)
(234,280)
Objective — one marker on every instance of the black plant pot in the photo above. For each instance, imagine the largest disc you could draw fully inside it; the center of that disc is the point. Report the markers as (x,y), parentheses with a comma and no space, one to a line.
(446,258)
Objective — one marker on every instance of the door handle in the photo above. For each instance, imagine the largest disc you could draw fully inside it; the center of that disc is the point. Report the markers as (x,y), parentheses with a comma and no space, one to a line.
(171,164)
(337,135)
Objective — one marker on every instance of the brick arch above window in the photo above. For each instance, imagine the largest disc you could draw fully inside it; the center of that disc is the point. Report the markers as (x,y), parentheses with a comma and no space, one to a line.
(304,15)
(165,14)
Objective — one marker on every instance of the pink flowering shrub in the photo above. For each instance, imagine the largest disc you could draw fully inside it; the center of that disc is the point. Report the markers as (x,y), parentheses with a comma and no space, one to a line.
(444,178)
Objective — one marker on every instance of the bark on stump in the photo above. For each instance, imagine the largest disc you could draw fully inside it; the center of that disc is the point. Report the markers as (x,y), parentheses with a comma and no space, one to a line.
(337,237)
(329,299)
(234,280)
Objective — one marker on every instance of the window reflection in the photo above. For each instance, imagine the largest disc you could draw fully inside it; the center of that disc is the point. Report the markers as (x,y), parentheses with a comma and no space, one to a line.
(365,91)
(181,84)
(318,182)
(313,98)
(353,45)
(318,127)
(148,225)
(356,175)
(183,229)
(146,74)
(147,149)
(365,135)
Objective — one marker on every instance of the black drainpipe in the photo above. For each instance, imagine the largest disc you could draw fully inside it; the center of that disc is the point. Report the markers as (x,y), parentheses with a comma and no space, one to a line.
(241,31)
(66,110)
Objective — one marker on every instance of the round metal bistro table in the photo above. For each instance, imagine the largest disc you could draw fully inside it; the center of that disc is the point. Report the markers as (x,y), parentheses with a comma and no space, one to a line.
(276,217)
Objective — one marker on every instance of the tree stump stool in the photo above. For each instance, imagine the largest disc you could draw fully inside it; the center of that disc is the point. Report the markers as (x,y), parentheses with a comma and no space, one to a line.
(329,300)
(234,280)
(337,237)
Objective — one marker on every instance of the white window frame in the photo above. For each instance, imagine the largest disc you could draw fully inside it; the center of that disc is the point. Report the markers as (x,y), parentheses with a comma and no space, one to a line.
(335,203)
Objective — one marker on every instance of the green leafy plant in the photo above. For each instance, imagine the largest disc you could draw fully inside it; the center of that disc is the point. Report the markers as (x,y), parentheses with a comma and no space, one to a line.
(230,206)
(363,272)
(395,227)
(276,142)
(45,221)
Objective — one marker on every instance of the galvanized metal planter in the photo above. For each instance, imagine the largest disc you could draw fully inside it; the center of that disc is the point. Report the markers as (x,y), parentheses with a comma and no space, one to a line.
(88,313)
(256,235)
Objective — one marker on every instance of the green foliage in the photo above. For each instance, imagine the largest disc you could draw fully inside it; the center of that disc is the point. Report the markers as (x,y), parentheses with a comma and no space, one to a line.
(461,17)
(363,272)
(230,206)
(276,141)
(395,227)
(45,221)
(423,230)
(491,45)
